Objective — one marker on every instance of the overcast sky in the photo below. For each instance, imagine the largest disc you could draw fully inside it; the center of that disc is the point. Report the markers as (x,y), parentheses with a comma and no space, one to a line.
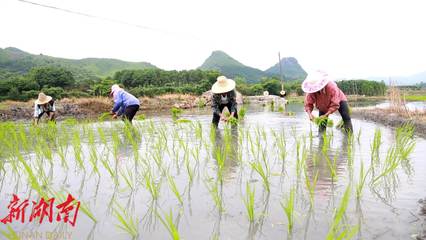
(348,38)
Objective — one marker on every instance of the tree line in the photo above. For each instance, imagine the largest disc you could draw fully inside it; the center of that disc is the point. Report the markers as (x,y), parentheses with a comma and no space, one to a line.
(60,82)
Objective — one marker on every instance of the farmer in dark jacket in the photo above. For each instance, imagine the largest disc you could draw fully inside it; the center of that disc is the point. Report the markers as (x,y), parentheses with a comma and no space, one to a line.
(44,104)
(224,95)
(125,104)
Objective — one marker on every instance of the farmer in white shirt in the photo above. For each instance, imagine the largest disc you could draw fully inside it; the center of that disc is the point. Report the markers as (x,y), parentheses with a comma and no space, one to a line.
(44,104)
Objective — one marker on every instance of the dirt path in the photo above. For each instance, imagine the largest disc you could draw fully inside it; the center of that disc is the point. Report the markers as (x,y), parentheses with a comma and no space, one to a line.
(392,118)
(92,107)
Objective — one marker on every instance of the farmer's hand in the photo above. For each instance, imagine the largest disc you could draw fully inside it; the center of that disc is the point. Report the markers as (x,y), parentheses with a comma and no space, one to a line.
(223,118)
(311,116)
(111,113)
(325,115)
(114,116)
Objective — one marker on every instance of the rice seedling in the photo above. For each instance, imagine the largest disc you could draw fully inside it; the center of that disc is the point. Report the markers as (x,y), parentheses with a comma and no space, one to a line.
(405,142)
(375,145)
(177,121)
(264,173)
(10,234)
(174,189)
(281,109)
(242,113)
(76,143)
(126,222)
(104,116)
(300,158)
(189,170)
(215,190)
(337,229)
(310,185)
(288,207)
(152,186)
(232,121)
(332,166)
(176,112)
(140,117)
(361,180)
(323,121)
(169,224)
(359,136)
(128,178)
(249,202)
(391,163)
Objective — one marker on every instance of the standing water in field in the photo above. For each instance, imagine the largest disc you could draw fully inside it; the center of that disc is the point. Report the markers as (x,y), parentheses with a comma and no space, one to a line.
(270,177)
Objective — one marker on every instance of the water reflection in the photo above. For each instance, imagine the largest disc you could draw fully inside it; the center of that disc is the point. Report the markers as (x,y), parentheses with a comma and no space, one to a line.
(328,162)
(225,147)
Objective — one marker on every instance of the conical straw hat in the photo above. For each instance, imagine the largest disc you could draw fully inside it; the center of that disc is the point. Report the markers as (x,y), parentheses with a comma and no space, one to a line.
(43,99)
(315,81)
(223,85)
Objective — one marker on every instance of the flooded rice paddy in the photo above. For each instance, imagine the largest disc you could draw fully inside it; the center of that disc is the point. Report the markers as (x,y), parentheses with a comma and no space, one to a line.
(270,177)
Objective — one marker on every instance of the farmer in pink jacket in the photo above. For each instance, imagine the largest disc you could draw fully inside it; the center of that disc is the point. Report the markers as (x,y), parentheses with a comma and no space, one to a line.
(323,93)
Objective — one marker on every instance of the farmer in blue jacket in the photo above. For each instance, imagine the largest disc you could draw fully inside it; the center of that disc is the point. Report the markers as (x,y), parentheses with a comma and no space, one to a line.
(124,103)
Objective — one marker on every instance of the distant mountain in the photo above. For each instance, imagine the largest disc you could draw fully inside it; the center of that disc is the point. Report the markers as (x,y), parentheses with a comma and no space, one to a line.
(17,61)
(230,67)
(403,80)
(290,67)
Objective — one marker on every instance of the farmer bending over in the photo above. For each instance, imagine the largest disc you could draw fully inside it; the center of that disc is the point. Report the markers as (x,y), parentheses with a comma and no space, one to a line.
(224,95)
(124,103)
(44,104)
(324,93)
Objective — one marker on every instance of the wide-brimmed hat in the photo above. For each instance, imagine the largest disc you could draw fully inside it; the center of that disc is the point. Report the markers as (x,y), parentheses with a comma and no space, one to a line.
(43,99)
(114,89)
(223,85)
(315,81)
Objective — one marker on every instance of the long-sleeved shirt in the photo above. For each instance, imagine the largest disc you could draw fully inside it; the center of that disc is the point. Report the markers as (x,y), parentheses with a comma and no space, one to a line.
(123,99)
(48,107)
(326,100)
(230,97)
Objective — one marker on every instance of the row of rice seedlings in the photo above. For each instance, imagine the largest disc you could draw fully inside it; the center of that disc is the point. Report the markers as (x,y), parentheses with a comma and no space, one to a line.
(169,224)
(339,230)
(126,221)
(249,202)
(287,205)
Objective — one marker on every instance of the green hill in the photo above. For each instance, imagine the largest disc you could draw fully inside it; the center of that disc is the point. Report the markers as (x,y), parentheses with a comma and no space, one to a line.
(230,67)
(290,67)
(17,61)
